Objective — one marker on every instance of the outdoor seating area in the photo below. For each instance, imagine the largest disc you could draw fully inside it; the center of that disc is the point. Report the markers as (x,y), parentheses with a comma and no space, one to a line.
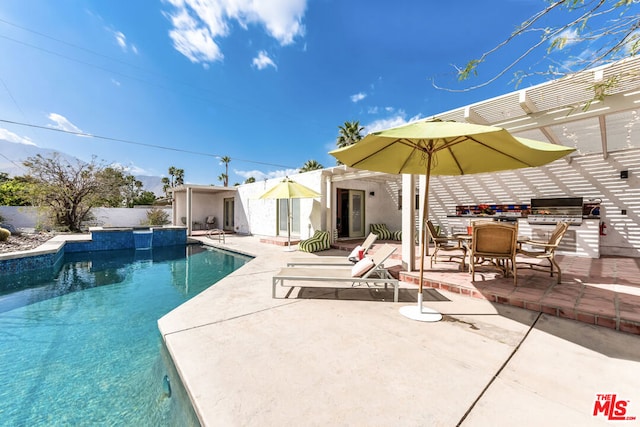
(598,291)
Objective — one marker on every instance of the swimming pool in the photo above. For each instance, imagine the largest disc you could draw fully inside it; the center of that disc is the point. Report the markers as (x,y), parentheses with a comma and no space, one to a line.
(81,346)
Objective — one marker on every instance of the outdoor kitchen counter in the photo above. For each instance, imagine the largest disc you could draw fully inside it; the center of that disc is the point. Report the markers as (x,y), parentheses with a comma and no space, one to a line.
(580,240)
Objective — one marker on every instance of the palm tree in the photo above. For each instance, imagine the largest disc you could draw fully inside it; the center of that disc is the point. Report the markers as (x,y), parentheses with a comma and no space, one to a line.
(224,178)
(179,177)
(226,161)
(350,133)
(176,178)
(310,165)
(250,180)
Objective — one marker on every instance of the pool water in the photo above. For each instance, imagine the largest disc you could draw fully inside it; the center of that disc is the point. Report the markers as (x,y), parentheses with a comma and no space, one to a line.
(81,346)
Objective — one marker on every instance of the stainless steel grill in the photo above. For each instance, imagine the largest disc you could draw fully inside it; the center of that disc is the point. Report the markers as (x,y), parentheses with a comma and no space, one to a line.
(553,210)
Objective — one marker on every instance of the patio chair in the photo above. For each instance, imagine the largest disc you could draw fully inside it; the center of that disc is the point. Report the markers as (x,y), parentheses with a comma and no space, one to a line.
(363,272)
(211,222)
(494,243)
(445,244)
(318,242)
(544,250)
(350,259)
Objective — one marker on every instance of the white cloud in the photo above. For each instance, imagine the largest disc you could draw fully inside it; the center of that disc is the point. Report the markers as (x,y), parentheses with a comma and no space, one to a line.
(260,176)
(63,123)
(197,24)
(398,119)
(570,35)
(115,82)
(263,61)
(9,136)
(121,41)
(358,97)
(131,169)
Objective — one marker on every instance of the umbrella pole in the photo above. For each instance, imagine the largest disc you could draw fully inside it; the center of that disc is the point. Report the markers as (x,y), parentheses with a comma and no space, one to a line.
(289,225)
(418,312)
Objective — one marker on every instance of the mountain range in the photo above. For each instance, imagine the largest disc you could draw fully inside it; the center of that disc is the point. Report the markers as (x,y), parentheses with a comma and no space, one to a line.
(13,154)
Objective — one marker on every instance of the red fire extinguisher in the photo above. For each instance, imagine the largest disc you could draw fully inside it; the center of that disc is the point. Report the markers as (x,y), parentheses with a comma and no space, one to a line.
(603,228)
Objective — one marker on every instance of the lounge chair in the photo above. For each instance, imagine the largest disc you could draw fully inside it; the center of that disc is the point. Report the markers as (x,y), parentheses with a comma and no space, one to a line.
(495,243)
(348,260)
(343,274)
(318,242)
(544,250)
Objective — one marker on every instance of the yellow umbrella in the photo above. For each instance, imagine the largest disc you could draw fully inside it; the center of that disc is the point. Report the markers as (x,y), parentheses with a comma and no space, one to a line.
(444,148)
(289,189)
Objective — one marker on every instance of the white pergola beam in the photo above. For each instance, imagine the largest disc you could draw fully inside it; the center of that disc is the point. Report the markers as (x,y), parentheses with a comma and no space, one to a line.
(471,116)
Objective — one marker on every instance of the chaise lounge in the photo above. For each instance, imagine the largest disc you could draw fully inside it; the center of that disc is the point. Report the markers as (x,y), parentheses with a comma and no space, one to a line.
(362,272)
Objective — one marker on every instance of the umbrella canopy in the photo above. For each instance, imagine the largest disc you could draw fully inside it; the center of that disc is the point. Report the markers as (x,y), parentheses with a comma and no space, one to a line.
(445,148)
(289,189)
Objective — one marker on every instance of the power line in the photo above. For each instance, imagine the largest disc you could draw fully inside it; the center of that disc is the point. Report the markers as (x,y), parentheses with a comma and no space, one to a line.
(244,103)
(143,144)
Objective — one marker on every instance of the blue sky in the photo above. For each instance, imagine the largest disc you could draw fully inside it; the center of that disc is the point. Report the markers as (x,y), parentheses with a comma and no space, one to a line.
(266,83)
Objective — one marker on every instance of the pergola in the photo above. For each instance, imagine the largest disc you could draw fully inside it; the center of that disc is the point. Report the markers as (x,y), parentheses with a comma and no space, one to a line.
(562,112)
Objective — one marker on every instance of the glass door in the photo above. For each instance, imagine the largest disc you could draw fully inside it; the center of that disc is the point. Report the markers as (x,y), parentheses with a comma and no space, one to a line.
(229,212)
(356,213)
(282,217)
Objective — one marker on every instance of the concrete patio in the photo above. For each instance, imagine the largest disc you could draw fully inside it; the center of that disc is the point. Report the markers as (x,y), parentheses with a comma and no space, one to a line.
(329,355)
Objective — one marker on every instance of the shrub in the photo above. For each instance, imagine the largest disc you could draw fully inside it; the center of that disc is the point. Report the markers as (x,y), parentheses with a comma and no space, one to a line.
(156,216)
(4,234)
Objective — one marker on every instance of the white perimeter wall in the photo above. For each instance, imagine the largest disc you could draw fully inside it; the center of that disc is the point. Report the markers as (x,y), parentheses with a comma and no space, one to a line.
(29,216)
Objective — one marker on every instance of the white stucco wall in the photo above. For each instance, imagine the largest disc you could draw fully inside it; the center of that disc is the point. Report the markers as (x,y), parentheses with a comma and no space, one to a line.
(259,216)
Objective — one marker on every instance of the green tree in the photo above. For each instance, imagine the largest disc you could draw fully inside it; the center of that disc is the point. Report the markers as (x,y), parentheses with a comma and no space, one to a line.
(310,165)
(132,189)
(226,161)
(605,29)
(145,198)
(68,190)
(223,177)
(14,191)
(114,182)
(249,180)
